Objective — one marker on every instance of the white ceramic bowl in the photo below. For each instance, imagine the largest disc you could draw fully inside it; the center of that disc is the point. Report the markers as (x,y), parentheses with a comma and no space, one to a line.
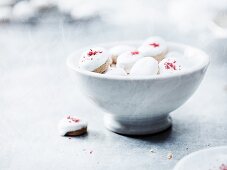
(140,105)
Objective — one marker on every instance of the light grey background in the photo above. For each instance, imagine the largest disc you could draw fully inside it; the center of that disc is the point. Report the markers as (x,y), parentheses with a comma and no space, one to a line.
(36,92)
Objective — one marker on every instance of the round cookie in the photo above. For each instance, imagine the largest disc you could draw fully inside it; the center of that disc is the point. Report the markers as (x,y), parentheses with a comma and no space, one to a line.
(170,65)
(118,50)
(72,126)
(145,66)
(23,11)
(154,47)
(127,60)
(95,60)
(116,71)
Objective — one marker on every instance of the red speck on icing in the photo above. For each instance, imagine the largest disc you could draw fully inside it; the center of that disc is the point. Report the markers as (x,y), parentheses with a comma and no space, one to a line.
(73,119)
(154,45)
(91,52)
(134,52)
(169,65)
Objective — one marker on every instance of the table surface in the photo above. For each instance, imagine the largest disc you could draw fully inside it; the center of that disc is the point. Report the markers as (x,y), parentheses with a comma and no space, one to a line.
(36,92)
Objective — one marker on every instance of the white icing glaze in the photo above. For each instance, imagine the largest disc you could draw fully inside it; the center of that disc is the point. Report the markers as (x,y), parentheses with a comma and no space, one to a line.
(93,58)
(145,66)
(69,124)
(152,47)
(23,11)
(118,50)
(127,59)
(170,65)
(116,71)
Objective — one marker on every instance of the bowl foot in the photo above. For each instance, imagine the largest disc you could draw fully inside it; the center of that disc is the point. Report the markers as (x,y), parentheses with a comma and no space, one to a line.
(136,125)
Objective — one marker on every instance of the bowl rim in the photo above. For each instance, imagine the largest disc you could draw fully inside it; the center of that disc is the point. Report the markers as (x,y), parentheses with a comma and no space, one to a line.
(204,64)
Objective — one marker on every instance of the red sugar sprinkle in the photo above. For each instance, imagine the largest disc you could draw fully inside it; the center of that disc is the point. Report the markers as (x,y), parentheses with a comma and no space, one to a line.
(223,167)
(91,52)
(73,119)
(154,45)
(169,65)
(134,52)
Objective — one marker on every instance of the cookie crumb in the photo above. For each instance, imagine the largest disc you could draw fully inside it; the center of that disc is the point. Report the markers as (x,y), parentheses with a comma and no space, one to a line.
(152,151)
(170,156)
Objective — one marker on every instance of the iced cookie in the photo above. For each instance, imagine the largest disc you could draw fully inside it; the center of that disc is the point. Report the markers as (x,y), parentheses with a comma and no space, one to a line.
(23,11)
(170,65)
(127,60)
(72,126)
(154,47)
(145,66)
(118,50)
(116,71)
(95,60)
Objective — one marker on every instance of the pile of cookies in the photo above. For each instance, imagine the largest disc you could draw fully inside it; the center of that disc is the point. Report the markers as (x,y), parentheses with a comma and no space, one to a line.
(151,58)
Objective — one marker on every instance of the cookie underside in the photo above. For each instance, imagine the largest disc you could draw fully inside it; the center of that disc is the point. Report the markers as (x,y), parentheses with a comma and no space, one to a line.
(161,56)
(103,68)
(77,132)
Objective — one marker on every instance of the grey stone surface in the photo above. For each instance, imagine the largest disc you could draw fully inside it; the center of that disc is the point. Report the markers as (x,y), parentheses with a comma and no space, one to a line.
(36,92)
